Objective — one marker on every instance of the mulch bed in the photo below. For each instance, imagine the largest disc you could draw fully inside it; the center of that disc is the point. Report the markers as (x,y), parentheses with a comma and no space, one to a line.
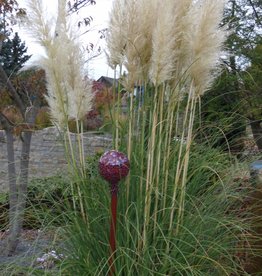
(252,240)
(35,249)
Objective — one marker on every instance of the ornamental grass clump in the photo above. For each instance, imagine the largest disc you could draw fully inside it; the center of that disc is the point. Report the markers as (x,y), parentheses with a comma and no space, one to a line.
(171,50)
(174,55)
(69,91)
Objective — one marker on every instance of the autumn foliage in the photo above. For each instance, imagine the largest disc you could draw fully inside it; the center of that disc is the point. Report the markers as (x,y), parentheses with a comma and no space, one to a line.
(99,115)
(30,85)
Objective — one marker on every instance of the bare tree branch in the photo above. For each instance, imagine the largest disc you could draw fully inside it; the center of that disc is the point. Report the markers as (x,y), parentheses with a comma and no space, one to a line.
(6,81)
(79,4)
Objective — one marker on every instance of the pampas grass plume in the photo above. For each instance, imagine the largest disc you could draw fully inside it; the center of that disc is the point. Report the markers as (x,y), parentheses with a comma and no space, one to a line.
(129,38)
(116,37)
(69,93)
(163,41)
(167,40)
(204,44)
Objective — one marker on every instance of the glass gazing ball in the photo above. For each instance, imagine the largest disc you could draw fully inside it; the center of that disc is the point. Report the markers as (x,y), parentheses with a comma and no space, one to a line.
(113,166)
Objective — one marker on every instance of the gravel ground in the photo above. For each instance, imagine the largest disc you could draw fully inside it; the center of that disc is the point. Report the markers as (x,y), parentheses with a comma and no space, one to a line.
(35,250)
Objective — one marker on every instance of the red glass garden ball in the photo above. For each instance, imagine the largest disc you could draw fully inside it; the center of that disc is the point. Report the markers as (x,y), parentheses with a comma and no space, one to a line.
(114,166)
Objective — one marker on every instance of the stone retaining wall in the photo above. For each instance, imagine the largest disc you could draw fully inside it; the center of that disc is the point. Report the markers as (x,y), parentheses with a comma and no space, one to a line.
(47,155)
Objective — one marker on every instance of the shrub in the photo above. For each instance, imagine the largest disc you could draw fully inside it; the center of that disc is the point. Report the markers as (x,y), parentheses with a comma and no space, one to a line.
(47,199)
(43,118)
(93,120)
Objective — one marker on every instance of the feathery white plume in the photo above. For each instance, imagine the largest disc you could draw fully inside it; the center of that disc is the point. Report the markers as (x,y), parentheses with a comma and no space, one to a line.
(176,40)
(163,40)
(69,96)
(204,43)
(130,36)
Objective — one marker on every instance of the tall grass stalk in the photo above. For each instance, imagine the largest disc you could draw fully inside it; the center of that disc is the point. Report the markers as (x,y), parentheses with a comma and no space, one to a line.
(129,142)
(117,112)
(69,92)
(159,156)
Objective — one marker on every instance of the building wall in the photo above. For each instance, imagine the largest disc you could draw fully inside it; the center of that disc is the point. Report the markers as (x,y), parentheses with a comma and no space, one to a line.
(47,155)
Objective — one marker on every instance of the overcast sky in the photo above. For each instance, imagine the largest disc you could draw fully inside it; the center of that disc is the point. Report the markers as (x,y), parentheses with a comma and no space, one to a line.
(99,12)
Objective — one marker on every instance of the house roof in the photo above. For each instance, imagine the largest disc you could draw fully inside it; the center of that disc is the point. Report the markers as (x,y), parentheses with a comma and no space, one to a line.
(109,82)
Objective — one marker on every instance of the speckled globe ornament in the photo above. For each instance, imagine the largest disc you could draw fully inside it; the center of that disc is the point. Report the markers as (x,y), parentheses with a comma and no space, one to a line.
(114,166)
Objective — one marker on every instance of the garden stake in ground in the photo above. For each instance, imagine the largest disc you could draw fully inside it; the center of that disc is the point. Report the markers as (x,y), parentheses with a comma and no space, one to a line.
(113,167)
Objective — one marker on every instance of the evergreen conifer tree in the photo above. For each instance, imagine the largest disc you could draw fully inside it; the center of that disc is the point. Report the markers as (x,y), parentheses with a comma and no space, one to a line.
(13,54)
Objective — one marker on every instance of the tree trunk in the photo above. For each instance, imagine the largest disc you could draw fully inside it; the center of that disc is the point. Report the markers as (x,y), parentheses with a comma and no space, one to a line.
(17,190)
(16,223)
(13,193)
(18,217)
(257,132)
